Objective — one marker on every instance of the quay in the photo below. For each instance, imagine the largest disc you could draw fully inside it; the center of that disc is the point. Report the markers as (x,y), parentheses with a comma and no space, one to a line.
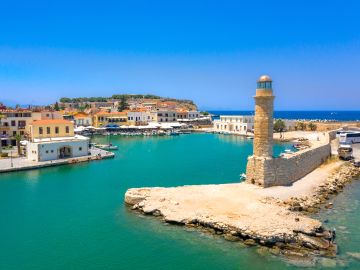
(22,163)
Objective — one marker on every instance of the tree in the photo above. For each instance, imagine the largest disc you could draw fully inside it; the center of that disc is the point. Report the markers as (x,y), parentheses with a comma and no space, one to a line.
(123,104)
(300,126)
(279,125)
(56,106)
(18,139)
(312,126)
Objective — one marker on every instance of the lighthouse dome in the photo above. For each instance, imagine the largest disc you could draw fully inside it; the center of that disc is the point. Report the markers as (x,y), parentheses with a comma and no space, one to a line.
(265,78)
(264,82)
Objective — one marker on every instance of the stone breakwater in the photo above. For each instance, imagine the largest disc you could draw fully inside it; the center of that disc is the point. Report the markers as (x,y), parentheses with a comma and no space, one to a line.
(238,213)
(333,185)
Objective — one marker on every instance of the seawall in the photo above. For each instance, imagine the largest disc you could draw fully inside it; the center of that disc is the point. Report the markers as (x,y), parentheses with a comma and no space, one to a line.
(285,170)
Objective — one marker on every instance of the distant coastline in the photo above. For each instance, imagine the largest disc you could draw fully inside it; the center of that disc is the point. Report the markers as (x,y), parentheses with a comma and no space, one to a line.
(303,115)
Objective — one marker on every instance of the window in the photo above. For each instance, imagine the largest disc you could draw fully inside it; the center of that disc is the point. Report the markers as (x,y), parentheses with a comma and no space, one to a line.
(40,130)
(56,130)
(67,129)
(80,148)
(52,151)
(47,130)
(14,133)
(47,151)
(21,132)
(13,123)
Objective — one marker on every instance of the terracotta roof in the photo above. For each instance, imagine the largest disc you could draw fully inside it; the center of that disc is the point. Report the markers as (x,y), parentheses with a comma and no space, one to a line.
(80,115)
(51,121)
(112,113)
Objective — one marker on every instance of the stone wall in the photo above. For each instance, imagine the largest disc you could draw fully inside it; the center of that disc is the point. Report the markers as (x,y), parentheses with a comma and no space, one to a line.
(284,171)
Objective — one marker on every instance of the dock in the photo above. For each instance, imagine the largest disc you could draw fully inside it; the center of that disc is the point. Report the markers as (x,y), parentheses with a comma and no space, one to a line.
(22,163)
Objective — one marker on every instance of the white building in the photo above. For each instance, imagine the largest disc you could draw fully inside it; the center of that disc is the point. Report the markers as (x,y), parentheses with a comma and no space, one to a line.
(140,117)
(193,115)
(241,124)
(57,148)
(54,139)
(166,116)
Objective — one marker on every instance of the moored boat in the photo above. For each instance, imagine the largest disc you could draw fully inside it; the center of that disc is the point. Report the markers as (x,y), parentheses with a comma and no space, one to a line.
(106,146)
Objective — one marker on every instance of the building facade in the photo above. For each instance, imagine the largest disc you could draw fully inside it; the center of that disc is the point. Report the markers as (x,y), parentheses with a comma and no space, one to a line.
(166,116)
(193,115)
(102,119)
(241,124)
(82,119)
(54,139)
(140,117)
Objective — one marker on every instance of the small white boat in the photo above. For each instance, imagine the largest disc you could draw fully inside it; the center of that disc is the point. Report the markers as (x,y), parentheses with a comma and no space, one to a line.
(106,146)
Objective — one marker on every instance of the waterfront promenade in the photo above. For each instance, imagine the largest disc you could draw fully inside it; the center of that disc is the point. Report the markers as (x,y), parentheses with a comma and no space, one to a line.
(22,163)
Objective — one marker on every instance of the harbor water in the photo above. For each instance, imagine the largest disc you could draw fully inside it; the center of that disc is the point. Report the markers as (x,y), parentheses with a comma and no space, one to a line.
(74,216)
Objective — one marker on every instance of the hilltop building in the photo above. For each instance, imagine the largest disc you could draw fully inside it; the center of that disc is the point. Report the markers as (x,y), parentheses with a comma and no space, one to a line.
(54,139)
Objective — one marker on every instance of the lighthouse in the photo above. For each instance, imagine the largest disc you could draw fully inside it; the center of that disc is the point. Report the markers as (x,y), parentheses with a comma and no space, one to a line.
(260,169)
(264,122)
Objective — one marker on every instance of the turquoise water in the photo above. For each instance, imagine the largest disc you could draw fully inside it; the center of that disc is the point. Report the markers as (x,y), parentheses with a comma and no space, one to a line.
(73,217)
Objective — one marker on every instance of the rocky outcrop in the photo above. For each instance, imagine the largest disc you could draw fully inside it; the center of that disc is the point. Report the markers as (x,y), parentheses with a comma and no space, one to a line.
(215,208)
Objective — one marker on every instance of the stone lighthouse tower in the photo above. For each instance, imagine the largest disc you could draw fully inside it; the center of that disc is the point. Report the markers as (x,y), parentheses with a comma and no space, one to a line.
(260,167)
(264,123)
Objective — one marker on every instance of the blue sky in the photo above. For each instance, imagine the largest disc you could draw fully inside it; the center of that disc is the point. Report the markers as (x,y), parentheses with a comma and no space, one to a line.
(208,51)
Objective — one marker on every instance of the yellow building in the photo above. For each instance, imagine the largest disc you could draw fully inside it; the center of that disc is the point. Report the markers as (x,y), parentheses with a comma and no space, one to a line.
(82,119)
(51,128)
(54,139)
(102,119)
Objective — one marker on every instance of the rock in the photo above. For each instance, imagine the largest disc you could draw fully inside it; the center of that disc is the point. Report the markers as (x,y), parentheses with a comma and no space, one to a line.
(326,262)
(354,255)
(263,251)
(313,242)
(250,242)
(136,195)
(231,238)
(275,250)
(311,210)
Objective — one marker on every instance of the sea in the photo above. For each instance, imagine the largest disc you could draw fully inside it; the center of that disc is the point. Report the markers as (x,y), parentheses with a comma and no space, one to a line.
(74,216)
(301,115)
